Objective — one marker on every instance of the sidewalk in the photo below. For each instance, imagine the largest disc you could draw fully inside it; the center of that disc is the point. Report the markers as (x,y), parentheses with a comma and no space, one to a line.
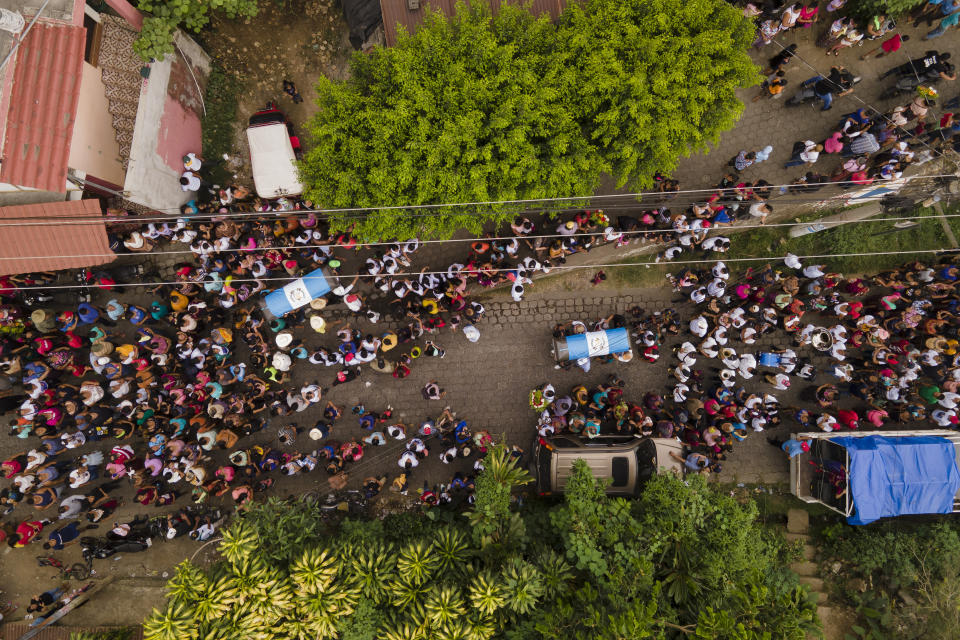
(770,121)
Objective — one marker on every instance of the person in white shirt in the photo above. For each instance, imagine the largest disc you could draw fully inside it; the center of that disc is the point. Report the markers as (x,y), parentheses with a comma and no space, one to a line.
(680,393)
(191,162)
(827,422)
(748,365)
(813,271)
(699,326)
(729,358)
(792,261)
(943,418)
(948,399)
(189,181)
(708,348)
(716,288)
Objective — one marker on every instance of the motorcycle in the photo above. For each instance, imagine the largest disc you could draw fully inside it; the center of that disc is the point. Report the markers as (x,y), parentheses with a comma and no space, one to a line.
(909,84)
(102,548)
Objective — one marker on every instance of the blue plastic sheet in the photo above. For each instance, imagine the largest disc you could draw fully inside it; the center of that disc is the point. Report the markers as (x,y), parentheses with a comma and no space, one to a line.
(597,343)
(893,476)
(297,293)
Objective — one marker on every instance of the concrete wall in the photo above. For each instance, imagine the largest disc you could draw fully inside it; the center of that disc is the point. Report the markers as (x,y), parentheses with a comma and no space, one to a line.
(94,149)
(169,118)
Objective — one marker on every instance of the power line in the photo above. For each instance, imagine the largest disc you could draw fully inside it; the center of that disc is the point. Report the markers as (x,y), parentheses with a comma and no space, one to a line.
(503,270)
(829,224)
(232,214)
(873,108)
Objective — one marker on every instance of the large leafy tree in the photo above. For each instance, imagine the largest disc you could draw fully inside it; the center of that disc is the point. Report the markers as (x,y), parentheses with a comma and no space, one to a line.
(654,79)
(482,107)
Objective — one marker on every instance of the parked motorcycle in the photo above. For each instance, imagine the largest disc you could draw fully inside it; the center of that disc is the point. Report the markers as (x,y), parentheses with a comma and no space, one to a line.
(102,548)
(909,84)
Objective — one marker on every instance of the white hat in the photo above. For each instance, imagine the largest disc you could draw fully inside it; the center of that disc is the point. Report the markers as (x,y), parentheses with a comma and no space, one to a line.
(284,338)
(315,434)
(318,324)
(103,361)
(282,361)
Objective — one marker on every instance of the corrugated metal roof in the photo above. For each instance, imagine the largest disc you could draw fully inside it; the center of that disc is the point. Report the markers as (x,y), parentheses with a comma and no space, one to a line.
(43,107)
(396,11)
(61,246)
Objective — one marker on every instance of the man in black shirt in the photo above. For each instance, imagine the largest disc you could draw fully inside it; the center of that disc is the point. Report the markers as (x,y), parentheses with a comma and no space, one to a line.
(920,65)
(840,81)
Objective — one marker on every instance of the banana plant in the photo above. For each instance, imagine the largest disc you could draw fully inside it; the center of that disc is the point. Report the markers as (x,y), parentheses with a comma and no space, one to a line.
(314,571)
(371,570)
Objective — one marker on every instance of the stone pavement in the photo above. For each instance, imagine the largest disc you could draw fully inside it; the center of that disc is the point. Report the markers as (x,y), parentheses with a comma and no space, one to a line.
(770,121)
(487,383)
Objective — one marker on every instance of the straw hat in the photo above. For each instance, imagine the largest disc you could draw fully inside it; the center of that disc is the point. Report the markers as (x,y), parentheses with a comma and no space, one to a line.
(318,303)
(315,434)
(102,348)
(388,341)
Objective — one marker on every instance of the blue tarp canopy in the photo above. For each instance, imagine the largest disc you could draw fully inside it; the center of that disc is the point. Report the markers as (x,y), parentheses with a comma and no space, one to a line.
(296,294)
(893,476)
(597,343)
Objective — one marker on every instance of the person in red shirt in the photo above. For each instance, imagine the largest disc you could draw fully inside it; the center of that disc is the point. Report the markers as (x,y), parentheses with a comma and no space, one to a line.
(848,418)
(26,532)
(890,45)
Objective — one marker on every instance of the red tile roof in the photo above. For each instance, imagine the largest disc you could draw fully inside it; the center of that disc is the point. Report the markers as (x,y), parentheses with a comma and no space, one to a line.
(43,107)
(396,11)
(50,244)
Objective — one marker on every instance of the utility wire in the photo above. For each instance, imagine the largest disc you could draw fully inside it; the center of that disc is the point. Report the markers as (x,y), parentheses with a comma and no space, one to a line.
(828,224)
(358,245)
(873,108)
(501,270)
(232,214)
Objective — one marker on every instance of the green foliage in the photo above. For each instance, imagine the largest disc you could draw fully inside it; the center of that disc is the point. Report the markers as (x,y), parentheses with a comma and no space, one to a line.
(294,522)
(866,9)
(492,525)
(655,79)
(482,107)
(603,569)
(220,102)
(898,577)
(166,16)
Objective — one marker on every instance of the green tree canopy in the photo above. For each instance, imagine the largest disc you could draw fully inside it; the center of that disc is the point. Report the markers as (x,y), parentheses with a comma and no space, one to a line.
(482,107)
(683,560)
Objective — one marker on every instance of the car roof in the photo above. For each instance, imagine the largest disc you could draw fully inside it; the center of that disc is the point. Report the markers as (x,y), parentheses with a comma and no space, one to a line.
(273,162)
(601,453)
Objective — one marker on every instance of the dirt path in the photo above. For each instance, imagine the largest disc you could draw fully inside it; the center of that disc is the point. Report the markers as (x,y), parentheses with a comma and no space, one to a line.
(297,40)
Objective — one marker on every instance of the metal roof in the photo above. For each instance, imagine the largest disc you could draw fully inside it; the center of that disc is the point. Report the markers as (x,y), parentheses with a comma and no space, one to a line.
(396,11)
(43,107)
(50,245)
